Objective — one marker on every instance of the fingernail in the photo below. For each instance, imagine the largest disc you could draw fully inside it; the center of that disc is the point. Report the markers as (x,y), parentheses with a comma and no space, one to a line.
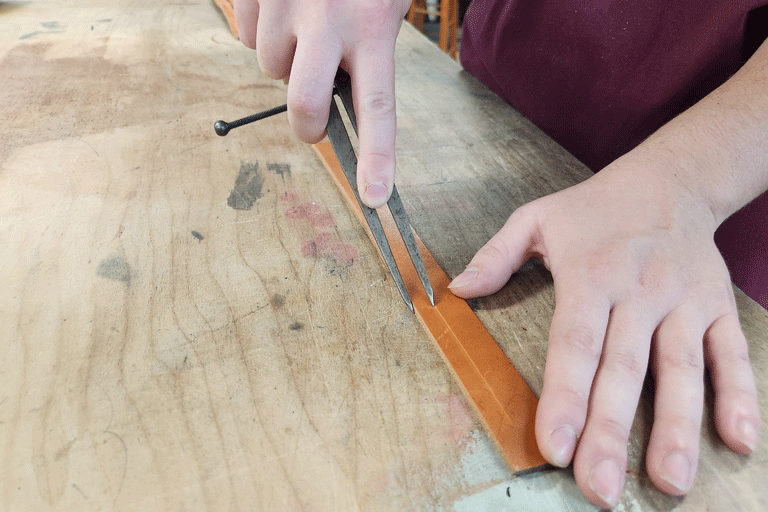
(676,471)
(604,479)
(464,278)
(562,441)
(748,434)
(375,194)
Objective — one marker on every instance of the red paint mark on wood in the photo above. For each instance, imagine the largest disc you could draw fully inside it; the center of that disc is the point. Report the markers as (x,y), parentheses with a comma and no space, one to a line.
(344,253)
(462,421)
(316,215)
(322,245)
(324,242)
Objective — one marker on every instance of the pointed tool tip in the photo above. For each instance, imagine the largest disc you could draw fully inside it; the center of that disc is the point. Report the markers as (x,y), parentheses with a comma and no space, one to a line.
(429,291)
(535,470)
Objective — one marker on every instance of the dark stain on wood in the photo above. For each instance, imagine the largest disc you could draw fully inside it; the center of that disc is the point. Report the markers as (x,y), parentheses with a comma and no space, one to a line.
(247,187)
(277,301)
(281,169)
(116,269)
(296,326)
(197,235)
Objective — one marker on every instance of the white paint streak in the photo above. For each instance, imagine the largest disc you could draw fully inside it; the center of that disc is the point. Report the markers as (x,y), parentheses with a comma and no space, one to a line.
(545,492)
(481,462)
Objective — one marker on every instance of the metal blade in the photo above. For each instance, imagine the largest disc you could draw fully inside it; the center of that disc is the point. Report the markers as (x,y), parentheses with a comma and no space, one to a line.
(348,160)
(344,90)
(404,226)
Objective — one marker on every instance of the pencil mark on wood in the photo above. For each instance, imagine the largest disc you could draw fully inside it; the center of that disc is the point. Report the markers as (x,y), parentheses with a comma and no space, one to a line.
(89,145)
(116,269)
(247,187)
(30,35)
(197,235)
(63,451)
(80,491)
(125,459)
(52,27)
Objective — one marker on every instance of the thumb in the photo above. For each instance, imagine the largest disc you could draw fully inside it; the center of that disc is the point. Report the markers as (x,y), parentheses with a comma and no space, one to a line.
(498,259)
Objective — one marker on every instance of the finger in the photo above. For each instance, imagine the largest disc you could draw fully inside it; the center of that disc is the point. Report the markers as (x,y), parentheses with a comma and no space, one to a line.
(736,409)
(246,16)
(275,44)
(575,344)
(500,257)
(673,450)
(310,86)
(601,460)
(373,89)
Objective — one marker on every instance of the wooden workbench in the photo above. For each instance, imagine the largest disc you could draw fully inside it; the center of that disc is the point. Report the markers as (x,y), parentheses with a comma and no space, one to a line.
(190,322)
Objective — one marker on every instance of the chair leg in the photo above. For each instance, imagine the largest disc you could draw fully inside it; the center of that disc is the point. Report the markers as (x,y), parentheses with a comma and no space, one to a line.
(448,27)
(415,16)
(448,14)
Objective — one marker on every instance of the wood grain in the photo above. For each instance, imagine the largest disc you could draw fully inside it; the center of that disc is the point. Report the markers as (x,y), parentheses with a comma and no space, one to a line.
(199,323)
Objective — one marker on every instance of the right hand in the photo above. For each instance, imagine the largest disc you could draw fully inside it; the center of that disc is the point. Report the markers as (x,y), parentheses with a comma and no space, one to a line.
(305,41)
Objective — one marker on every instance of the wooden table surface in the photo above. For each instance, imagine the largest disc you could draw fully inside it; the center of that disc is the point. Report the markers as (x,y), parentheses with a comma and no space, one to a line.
(196,323)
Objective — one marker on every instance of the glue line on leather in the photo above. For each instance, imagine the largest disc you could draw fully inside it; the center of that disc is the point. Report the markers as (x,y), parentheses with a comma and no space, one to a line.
(492,385)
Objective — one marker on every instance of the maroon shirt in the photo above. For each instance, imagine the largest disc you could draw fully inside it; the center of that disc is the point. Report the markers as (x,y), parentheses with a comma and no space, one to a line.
(600,76)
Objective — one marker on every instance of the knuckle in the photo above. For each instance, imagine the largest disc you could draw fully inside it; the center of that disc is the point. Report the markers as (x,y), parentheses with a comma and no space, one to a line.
(738,396)
(376,159)
(307,105)
(651,277)
(583,340)
(627,362)
(524,214)
(721,294)
(682,433)
(613,430)
(379,12)
(530,215)
(573,396)
(599,268)
(740,358)
(687,358)
(270,71)
(492,251)
(378,104)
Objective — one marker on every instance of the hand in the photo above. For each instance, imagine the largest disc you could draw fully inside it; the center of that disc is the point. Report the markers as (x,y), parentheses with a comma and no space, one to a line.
(637,277)
(305,41)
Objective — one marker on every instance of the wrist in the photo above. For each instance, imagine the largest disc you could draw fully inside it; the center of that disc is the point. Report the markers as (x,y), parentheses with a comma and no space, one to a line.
(668,184)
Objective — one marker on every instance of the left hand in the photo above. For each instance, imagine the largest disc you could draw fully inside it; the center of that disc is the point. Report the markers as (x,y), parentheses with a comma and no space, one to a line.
(637,277)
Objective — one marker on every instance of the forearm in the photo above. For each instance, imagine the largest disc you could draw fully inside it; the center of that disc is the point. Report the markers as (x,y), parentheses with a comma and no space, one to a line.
(718,149)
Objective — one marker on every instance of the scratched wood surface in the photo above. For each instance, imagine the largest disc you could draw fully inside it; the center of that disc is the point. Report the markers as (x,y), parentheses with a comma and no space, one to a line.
(199,323)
